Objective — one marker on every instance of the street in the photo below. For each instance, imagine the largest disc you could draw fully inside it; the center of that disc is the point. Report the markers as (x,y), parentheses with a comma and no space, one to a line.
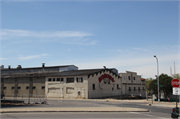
(157,111)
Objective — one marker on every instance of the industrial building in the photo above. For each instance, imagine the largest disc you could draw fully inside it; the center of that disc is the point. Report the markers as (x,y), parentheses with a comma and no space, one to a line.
(68,82)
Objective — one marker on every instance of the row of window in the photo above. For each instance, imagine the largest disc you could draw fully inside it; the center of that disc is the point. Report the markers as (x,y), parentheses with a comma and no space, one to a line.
(93,87)
(27,87)
(130,78)
(135,88)
(68,80)
(56,79)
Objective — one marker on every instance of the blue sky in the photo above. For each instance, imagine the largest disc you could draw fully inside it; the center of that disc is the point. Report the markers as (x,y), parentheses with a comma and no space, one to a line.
(91,34)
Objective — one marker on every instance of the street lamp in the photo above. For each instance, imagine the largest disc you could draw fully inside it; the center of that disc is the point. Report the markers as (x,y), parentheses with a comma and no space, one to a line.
(157,77)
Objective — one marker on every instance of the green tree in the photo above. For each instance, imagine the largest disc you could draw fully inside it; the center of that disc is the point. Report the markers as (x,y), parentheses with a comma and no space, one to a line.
(153,86)
(164,80)
(148,81)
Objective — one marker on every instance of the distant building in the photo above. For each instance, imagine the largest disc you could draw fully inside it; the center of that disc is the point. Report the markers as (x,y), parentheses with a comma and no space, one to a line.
(68,82)
(132,85)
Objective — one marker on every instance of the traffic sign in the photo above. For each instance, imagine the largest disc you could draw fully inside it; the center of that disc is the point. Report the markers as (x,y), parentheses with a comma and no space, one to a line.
(175,83)
(176,91)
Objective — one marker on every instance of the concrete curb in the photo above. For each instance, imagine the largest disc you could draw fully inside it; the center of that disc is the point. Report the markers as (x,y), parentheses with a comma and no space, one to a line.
(68,111)
(74,109)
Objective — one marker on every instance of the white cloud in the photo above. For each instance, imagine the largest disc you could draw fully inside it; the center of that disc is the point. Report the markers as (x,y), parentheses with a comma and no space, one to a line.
(31,57)
(66,37)
(3,58)
(43,34)
(146,66)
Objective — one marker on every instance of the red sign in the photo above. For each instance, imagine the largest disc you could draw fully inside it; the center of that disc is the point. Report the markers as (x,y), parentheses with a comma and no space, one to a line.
(175,83)
(106,76)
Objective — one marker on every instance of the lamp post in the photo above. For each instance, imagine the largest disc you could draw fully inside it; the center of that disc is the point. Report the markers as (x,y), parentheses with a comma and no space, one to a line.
(157,77)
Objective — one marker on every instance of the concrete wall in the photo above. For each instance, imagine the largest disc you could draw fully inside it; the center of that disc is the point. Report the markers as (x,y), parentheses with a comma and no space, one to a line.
(102,89)
(18,86)
(62,89)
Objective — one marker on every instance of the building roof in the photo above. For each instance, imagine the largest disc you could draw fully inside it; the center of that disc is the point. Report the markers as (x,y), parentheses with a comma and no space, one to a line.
(37,67)
(88,72)
(78,72)
(142,79)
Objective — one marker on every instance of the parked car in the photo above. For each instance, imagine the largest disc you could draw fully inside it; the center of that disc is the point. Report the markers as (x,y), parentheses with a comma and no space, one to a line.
(175,112)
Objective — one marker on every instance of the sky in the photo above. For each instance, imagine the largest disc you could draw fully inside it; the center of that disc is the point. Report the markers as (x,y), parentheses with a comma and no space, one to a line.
(91,34)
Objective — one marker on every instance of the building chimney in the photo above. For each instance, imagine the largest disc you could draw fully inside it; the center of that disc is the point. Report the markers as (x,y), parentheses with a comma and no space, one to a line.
(43,64)
(9,66)
(19,67)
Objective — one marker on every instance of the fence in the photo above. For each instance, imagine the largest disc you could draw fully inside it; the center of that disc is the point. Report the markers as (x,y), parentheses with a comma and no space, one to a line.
(25,98)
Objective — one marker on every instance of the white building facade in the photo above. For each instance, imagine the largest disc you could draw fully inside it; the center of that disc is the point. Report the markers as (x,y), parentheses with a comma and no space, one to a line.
(92,83)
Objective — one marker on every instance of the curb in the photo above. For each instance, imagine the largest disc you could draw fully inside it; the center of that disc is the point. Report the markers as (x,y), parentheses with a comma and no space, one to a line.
(69,111)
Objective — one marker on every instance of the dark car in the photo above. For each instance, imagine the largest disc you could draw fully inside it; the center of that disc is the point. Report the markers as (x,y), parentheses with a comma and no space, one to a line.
(175,113)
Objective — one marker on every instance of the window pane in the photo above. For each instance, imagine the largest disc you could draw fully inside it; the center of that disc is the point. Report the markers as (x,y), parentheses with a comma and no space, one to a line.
(70,80)
(58,79)
(62,79)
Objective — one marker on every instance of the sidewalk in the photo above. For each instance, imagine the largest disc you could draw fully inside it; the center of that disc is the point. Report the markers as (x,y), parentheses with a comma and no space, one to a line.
(73,109)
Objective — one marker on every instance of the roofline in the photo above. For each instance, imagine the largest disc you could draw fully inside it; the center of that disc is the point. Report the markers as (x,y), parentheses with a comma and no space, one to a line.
(37,67)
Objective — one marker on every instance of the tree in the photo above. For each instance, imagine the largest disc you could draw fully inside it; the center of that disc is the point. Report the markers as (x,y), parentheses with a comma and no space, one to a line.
(164,80)
(153,86)
(148,81)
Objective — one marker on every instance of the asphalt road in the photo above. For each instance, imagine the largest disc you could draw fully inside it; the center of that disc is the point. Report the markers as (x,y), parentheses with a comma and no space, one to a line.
(156,111)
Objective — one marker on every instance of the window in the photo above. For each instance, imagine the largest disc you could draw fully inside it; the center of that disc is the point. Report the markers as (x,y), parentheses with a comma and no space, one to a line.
(4,88)
(54,79)
(93,86)
(12,87)
(58,79)
(79,93)
(134,78)
(49,79)
(139,89)
(62,80)
(118,86)
(70,80)
(19,88)
(80,79)
(129,88)
(112,88)
(134,88)
(129,77)
(143,89)
(34,87)
(43,87)
(27,87)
